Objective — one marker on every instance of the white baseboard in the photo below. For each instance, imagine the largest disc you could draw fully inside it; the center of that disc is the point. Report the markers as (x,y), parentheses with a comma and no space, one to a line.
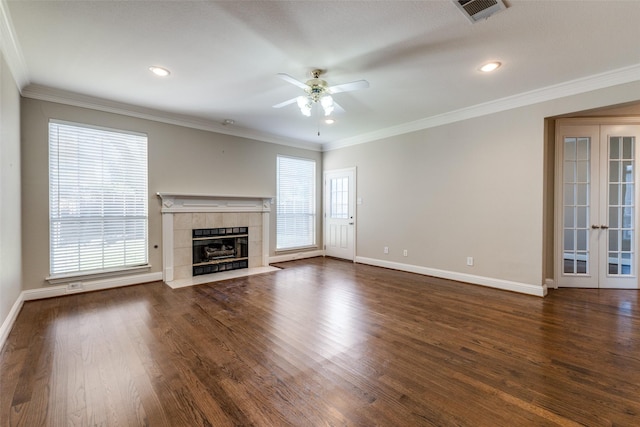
(524,288)
(295,256)
(10,320)
(550,283)
(92,285)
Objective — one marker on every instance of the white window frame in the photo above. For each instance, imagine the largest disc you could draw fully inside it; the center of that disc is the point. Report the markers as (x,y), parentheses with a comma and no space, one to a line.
(98,214)
(296,216)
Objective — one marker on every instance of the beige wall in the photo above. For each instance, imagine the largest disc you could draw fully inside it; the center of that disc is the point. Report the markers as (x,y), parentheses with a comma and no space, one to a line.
(181,160)
(10,262)
(471,188)
(451,192)
(478,187)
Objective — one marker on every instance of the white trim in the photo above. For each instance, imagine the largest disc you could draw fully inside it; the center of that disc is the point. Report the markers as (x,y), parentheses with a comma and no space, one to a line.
(89,286)
(599,120)
(296,255)
(10,46)
(549,93)
(550,283)
(94,275)
(13,54)
(265,239)
(10,320)
(44,93)
(507,285)
(190,203)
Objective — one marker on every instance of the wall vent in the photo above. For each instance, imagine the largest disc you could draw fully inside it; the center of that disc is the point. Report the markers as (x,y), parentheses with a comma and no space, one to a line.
(477,10)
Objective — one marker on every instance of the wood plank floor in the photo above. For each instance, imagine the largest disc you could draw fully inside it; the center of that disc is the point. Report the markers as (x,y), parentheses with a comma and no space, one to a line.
(324,342)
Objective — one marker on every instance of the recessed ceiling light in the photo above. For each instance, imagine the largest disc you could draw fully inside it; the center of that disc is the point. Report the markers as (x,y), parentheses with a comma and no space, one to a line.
(159,71)
(329,121)
(490,66)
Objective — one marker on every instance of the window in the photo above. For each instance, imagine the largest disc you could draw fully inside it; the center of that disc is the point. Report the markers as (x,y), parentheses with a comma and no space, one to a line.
(98,199)
(296,203)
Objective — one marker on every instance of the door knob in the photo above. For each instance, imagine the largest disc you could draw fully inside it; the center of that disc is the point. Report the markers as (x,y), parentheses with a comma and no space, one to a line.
(594,226)
(604,227)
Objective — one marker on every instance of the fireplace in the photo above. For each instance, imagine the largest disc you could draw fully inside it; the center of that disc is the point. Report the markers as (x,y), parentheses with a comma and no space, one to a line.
(220,249)
(184,213)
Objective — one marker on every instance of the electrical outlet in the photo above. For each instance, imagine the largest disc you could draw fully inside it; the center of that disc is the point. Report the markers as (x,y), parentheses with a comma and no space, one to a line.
(405,253)
(470,261)
(74,286)
(386,249)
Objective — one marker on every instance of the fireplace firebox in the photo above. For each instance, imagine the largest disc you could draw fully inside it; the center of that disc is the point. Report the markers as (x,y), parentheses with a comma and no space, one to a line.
(220,249)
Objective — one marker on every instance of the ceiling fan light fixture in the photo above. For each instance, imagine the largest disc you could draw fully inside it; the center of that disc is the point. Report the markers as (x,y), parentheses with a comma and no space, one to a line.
(490,66)
(304,104)
(327,104)
(318,91)
(159,71)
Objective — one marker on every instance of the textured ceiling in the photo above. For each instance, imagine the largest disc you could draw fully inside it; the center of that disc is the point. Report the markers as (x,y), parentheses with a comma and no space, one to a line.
(420,57)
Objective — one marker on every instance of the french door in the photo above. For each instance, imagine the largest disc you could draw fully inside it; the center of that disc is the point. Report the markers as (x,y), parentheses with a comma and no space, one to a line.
(596,196)
(339,213)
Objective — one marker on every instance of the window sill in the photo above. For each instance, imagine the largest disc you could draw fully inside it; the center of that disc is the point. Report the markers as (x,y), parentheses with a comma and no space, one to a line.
(91,275)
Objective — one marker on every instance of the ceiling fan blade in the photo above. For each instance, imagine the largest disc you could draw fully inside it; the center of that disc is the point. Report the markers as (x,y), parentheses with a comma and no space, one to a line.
(348,87)
(285,103)
(288,78)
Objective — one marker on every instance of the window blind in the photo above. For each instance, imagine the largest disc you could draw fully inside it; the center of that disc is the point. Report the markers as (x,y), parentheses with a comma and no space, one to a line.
(98,199)
(296,203)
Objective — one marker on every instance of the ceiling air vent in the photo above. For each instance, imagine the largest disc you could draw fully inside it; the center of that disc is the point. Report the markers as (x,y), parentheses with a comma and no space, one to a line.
(477,10)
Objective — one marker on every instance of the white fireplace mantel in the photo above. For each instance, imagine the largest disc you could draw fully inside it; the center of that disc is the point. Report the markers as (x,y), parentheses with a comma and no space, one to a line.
(178,203)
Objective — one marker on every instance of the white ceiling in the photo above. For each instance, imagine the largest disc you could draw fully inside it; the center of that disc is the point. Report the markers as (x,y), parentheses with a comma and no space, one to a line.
(420,57)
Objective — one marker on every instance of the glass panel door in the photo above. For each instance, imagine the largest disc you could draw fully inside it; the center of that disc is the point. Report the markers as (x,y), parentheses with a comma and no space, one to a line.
(339,218)
(576,185)
(596,217)
(619,253)
(578,201)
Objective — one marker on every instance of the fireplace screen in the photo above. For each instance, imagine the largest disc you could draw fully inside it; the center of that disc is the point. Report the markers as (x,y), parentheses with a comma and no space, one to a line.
(220,249)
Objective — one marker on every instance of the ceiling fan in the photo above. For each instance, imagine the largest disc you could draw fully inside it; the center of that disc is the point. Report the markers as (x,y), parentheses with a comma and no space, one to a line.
(318,91)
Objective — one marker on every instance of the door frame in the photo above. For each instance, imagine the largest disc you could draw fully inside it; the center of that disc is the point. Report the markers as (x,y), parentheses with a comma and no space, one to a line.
(352,207)
(558,200)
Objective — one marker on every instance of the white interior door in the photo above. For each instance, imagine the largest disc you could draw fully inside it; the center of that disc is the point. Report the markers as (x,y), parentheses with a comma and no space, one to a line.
(340,213)
(618,213)
(596,217)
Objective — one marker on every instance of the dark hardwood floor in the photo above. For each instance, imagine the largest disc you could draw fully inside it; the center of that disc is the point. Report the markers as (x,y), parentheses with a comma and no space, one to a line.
(324,343)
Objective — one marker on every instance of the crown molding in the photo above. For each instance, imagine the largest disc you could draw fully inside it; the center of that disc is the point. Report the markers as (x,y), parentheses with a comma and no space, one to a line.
(45,93)
(10,48)
(549,93)
(12,52)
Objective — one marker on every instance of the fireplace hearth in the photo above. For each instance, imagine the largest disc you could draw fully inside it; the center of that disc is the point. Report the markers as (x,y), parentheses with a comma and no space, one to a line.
(220,249)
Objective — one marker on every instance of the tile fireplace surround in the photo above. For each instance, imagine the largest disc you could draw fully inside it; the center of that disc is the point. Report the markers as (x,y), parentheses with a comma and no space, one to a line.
(181,213)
